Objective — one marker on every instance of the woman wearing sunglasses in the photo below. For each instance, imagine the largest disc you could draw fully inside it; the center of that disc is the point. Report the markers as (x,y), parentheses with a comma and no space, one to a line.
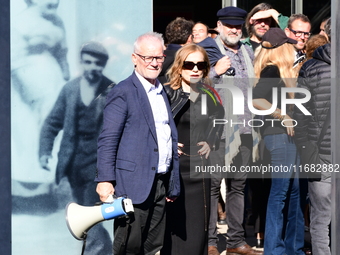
(284,230)
(194,107)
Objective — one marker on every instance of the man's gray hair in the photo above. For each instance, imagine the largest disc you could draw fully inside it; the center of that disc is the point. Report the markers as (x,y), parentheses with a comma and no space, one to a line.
(151,36)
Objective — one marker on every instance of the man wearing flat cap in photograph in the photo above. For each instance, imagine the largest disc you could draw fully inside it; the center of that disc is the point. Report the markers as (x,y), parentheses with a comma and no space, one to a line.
(238,141)
(78,111)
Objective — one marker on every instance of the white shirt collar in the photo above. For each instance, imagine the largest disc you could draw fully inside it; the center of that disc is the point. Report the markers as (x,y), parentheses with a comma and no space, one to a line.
(149,86)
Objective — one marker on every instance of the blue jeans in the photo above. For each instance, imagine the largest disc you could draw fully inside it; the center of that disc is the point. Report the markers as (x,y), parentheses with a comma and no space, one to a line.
(284,231)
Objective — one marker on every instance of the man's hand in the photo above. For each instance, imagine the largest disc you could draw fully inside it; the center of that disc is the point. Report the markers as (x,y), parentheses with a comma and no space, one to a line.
(44,159)
(222,65)
(104,190)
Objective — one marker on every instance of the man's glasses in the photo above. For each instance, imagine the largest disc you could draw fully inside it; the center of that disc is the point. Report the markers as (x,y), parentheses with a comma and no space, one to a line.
(149,59)
(190,65)
(300,33)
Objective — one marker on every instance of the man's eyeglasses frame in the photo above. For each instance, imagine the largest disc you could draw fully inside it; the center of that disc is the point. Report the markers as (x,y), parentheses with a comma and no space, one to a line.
(299,33)
(149,59)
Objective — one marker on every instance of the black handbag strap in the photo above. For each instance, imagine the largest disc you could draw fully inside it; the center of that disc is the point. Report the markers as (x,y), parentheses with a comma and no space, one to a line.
(325,126)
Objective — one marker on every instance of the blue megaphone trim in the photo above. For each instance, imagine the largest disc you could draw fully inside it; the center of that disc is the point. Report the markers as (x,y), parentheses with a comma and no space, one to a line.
(114,209)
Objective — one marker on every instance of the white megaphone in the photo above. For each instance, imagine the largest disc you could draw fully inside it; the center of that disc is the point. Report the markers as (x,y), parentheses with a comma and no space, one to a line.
(80,219)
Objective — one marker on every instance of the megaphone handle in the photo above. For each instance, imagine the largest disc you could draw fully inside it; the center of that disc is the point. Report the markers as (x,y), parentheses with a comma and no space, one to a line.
(109,199)
(84,243)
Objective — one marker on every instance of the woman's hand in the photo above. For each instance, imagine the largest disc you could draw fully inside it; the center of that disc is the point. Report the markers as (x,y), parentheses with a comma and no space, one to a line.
(171,199)
(179,151)
(205,150)
(288,123)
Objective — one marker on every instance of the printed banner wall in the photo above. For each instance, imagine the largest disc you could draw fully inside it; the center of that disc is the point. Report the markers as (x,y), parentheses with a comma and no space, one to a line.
(55,126)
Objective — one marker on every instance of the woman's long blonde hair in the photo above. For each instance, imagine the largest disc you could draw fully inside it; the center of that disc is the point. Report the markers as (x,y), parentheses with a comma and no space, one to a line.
(283,57)
(174,73)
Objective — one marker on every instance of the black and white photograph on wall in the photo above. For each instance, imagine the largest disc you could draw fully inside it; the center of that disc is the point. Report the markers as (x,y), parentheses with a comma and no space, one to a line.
(65,58)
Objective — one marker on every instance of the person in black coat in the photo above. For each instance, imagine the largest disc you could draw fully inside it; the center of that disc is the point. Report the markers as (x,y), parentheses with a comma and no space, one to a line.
(188,216)
(315,76)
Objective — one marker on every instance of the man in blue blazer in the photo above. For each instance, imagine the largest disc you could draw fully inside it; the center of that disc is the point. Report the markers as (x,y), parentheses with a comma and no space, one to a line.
(137,151)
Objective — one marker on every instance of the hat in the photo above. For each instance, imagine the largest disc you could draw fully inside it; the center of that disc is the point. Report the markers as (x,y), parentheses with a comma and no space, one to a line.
(95,48)
(232,15)
(276,37)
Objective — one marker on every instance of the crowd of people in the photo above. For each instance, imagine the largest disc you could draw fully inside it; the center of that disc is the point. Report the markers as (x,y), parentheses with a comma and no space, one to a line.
(158,132)
(158,126)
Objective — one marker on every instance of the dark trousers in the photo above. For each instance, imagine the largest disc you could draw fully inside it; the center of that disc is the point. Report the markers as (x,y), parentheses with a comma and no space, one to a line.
(216,157)
(259,185)
(260,189)
(320,210)
(235,184)
(143,232)
(235,194)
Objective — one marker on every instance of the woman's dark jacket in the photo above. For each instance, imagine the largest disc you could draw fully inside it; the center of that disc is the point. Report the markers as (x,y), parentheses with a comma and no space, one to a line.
(315,76)
(178,99)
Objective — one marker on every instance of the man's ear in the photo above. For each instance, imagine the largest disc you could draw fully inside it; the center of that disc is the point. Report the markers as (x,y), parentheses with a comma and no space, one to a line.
(287,31)
(218,23)
(189,40)
(134,59)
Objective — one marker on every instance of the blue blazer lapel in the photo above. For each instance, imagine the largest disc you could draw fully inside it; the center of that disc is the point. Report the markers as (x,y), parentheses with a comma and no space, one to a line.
(145,106)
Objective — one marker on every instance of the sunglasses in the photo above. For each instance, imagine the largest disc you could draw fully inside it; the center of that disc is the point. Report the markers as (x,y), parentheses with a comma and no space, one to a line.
(190,65)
